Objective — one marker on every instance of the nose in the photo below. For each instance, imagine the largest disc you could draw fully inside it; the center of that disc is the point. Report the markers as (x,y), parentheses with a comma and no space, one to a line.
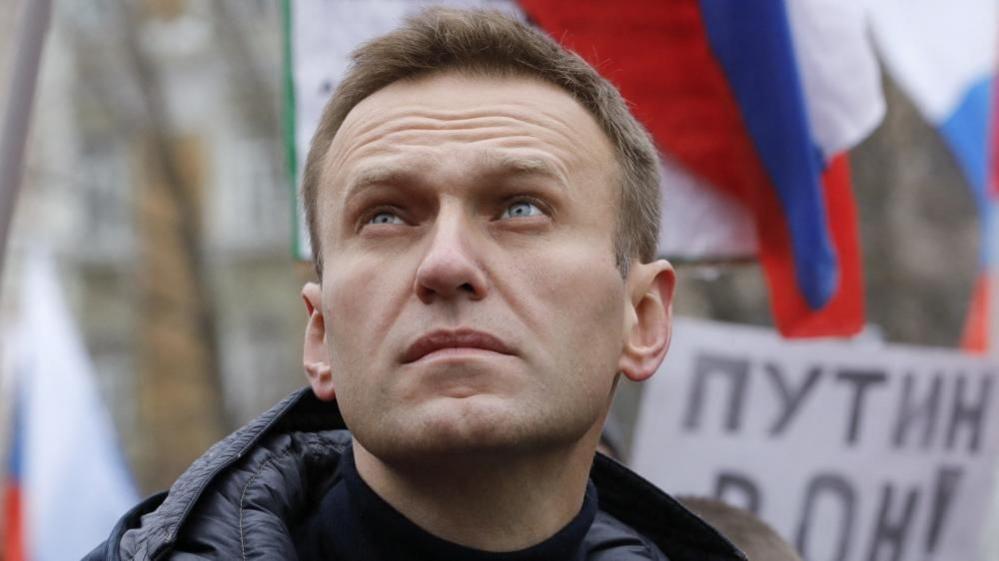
(450,268)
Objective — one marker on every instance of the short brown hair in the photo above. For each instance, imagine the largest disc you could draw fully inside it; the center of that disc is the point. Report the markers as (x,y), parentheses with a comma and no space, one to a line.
(750,534)
(480,41)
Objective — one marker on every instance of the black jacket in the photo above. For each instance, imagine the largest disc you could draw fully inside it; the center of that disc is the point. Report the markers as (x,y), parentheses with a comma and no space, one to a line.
(244,498)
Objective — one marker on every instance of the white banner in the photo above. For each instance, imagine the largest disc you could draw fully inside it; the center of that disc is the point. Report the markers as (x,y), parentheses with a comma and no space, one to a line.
(852,451)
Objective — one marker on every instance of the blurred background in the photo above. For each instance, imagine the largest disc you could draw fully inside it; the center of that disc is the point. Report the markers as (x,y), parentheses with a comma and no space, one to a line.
(157,175)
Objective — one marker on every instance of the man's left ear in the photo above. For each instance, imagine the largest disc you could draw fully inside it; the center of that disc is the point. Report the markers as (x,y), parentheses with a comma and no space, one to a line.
(649,322)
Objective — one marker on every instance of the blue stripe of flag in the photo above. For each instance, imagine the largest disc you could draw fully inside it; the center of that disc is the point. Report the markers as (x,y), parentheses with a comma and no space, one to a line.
(966,133)
(15,455)
(752,41)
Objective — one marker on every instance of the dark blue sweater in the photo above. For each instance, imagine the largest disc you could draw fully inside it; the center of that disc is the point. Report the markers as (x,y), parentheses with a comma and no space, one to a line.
(352,523)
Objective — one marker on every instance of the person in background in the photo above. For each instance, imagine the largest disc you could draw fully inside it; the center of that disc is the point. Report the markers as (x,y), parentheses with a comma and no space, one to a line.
(483,211)
(753,536)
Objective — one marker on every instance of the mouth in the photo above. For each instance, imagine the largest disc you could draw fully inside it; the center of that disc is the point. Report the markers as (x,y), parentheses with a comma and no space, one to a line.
(448,341)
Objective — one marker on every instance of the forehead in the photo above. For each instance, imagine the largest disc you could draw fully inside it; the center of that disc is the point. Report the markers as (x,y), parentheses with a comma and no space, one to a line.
(481,120)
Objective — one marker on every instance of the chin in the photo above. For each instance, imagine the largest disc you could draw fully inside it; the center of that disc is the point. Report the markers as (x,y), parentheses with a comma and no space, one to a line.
(469,427)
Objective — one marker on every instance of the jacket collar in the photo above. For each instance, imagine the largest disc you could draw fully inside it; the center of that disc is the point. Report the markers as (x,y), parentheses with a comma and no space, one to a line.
(679,533)
(163,515)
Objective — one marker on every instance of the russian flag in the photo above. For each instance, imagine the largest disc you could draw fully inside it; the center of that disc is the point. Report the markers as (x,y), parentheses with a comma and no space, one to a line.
(945,58)
(67,483)
(13,523)
(762,103)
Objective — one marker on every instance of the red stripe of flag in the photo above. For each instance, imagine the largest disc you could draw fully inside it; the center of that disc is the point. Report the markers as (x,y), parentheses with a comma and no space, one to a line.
(975,338)
(13,531)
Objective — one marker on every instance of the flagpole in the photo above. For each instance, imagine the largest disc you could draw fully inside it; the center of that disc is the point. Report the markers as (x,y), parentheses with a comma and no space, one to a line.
(28,40)
(26,43)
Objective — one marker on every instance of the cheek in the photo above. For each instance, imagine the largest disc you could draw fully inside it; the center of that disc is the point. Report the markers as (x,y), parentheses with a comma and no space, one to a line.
(357,297)
(580,294)
(582,281)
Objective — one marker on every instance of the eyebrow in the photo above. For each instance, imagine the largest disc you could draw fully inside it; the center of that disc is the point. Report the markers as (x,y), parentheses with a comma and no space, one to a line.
(496,165)
(525,165)
(380,174)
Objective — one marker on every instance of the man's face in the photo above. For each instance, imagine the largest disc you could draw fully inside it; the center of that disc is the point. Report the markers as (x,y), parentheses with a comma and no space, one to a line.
(470,295)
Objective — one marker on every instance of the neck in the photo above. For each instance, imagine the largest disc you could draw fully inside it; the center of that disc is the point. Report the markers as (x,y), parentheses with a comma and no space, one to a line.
(490,502)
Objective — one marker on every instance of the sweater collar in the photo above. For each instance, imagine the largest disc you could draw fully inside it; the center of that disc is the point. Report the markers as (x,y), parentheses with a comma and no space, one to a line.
(357,519)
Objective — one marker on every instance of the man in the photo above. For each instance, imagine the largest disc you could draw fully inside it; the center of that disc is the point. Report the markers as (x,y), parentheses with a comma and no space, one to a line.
(483,211)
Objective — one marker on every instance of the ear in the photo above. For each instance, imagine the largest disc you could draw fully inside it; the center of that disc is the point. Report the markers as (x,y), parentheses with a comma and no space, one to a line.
(649,323)
(316,354)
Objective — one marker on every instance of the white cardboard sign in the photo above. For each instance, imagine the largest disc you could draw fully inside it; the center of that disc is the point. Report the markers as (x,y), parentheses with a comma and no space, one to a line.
(852,451)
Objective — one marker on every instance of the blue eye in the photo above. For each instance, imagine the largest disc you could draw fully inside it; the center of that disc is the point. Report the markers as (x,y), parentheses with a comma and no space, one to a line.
(385,217)
(521,209)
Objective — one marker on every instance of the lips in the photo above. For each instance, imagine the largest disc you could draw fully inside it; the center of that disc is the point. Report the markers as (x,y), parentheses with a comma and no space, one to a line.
(458,339)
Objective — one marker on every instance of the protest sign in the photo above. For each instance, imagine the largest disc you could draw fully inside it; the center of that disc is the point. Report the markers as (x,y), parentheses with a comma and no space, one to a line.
(852,451)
